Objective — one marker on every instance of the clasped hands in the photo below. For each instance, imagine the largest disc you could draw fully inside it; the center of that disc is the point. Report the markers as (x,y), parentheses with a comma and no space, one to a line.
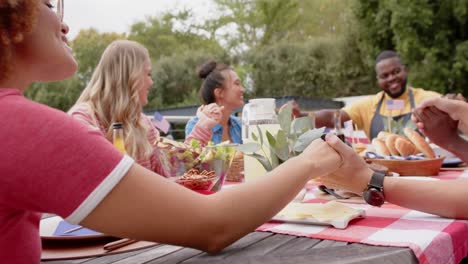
(440,119)
(337,165)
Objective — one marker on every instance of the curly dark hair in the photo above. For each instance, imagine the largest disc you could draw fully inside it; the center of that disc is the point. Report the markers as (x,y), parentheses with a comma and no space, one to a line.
(17,18)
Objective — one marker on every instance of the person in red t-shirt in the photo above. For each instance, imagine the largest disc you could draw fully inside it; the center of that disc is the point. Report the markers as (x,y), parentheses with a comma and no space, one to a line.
(52,163)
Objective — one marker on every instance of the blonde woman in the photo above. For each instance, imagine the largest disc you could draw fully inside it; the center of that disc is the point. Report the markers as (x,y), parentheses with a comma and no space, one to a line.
(117,91)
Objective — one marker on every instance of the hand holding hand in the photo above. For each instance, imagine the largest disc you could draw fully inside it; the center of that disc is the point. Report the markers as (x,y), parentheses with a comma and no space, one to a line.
(457,110)
(324,158)
(437,125)
(353,174)
(457,96)
(209,115)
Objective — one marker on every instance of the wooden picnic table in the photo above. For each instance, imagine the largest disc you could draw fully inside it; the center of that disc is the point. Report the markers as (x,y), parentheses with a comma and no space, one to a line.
(274,247)
(263,247)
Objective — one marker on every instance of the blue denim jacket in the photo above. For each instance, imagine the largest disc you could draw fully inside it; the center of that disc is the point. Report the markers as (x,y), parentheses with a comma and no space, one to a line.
(235,130)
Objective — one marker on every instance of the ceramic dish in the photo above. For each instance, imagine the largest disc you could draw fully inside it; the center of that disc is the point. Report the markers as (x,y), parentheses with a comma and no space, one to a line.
(419,178)
(50,228)
(451,162)
(425,167)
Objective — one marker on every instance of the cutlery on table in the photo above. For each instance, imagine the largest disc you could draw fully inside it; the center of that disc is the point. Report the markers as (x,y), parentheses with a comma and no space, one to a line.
(325,189)
(119,243)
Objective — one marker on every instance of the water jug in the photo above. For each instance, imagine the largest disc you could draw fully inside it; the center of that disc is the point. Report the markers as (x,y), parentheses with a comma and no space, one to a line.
(258,112)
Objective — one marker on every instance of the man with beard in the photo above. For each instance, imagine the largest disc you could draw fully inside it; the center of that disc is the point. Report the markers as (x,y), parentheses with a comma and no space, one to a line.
(370,114)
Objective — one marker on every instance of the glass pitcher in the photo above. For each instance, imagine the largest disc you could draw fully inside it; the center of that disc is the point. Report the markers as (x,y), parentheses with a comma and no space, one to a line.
(258,112)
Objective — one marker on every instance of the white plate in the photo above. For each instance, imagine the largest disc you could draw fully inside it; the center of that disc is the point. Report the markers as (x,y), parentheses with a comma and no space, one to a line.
(419,178)
(340,223)
(49,225)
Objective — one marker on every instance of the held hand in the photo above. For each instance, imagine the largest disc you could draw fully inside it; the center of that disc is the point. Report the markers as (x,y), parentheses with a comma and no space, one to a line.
(209,115)
(324,158)
(437,126)
(457,110)
(353,174)
(457,96)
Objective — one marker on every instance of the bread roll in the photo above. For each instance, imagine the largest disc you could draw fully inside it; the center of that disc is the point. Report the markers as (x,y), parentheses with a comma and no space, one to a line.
(383,135)
(420,143)
(416,151)
(360,149)
(380,147)
(390,143)
(405,147)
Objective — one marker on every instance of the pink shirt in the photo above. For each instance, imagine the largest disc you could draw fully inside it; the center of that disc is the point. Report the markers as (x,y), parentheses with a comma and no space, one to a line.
(50,163)
(84,113)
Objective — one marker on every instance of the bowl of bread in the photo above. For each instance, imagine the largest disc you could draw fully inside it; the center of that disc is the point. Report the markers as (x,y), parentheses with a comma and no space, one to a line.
(402,149)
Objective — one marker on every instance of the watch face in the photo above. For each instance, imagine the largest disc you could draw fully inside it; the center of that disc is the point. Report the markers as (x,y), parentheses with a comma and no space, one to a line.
(374,197)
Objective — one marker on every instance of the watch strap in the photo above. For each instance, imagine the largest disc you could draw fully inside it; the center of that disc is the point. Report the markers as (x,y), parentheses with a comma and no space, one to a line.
(377,180)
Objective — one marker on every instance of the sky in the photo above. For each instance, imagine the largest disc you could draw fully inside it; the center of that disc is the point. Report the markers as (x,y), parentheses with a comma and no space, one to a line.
(119,15)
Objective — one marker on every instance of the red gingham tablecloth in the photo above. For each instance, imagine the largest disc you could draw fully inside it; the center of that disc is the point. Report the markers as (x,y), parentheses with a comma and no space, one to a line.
(433,239)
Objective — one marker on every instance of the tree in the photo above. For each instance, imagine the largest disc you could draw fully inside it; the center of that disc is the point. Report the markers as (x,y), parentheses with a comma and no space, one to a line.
(172,34)
(320,67)
(88,47)
(430,35)
(176,81)
(245,24)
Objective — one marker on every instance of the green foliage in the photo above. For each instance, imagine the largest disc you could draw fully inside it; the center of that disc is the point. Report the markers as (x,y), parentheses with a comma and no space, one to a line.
(321,18)
(397,126)
(249,23)
(175,79)
(431,37)
(88,47)
(290,140)
(321,67)
(162,37)
(61,95)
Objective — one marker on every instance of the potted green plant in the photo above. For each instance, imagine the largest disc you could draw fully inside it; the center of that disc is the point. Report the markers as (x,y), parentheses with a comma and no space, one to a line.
(397,126)
(290,140)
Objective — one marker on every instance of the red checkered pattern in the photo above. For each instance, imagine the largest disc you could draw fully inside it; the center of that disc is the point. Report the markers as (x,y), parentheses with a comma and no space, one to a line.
(433,239)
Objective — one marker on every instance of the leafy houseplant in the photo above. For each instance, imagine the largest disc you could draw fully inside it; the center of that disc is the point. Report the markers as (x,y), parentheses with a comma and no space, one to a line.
(396,126)
(290,140)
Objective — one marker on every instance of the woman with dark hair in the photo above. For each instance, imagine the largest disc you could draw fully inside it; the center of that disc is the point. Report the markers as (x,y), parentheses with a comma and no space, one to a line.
(221,93)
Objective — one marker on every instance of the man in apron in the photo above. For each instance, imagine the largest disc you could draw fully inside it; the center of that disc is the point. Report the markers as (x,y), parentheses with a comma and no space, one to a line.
(370,114)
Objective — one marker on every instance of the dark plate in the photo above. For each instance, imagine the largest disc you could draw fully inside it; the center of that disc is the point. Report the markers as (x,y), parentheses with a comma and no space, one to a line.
(451,162)
(49,225)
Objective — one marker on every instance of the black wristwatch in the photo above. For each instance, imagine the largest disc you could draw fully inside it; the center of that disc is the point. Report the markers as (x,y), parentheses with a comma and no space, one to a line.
(374,195)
